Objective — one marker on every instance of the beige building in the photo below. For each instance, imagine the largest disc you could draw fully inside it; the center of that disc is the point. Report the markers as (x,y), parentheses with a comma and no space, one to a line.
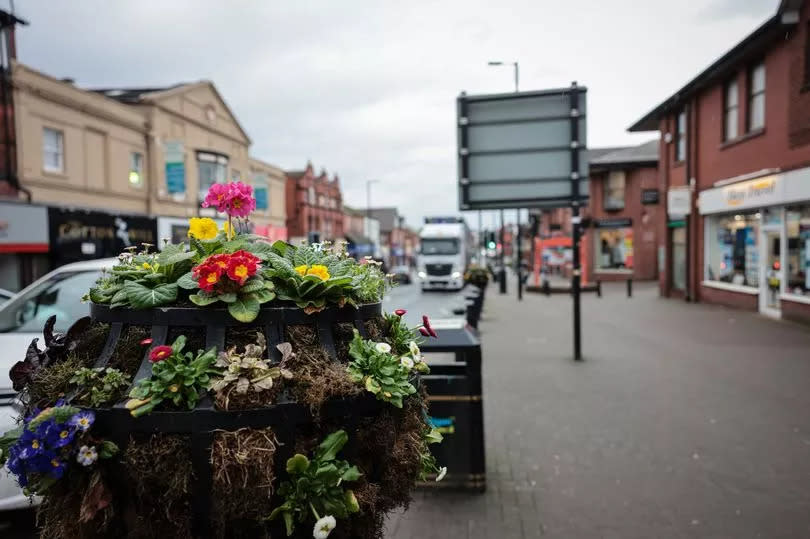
(149,151)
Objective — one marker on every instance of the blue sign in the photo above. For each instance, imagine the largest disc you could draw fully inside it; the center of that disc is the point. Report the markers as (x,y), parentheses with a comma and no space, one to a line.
(175,178)
(260,193)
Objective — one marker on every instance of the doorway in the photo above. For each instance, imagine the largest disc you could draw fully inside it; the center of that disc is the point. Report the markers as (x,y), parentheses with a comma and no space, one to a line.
(772,263)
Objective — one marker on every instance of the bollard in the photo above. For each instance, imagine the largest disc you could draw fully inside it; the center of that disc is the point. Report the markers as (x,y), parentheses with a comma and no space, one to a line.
(629,288)
(546,288)
(599,289)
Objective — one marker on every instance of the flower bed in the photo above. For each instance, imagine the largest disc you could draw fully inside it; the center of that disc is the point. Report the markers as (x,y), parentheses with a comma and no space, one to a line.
(230,388)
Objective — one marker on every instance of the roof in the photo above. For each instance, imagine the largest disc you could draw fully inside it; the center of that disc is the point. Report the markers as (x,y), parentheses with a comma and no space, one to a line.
(387,217)
(594,153)
(643,154)
(132,95)
(759,40)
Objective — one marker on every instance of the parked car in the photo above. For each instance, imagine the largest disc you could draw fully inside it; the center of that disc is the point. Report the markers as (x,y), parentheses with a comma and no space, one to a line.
(21,320)
(401,274)
(5,295)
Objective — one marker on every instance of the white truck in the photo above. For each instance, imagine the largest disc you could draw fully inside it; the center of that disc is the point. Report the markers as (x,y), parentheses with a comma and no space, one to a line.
(444,253)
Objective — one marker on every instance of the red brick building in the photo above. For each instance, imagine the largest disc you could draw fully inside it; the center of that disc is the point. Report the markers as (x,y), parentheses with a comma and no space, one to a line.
(314,206)
(735,163)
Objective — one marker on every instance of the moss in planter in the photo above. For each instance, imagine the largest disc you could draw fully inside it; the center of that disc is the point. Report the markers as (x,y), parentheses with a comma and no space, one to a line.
(242,464)
(129,351)
(302,335)
(369,522)
(195,337)
(52,383)
(160,476)
(318,378)
(231,400)
(344,333)
(92,343)
(375,328)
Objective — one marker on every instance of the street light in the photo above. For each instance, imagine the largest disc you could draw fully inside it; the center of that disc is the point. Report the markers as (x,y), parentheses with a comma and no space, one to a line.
(513,64)
(367,226)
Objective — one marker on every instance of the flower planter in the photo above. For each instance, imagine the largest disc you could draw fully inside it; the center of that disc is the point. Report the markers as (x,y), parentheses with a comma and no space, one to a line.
(379,434)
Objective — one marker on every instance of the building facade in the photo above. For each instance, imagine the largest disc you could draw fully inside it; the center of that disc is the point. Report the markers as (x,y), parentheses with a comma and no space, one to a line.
(270,189)
(314,206)
(362,232)
(735,164)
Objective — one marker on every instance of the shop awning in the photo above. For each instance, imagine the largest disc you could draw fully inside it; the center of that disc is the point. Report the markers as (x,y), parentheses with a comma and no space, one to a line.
(357,239)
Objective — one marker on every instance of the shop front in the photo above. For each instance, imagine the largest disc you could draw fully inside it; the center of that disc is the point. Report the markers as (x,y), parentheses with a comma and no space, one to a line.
(757,244)
(613,241)
(77,235)
(23,244)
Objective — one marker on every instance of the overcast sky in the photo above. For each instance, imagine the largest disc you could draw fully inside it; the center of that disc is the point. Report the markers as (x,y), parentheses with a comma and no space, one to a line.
(367,88)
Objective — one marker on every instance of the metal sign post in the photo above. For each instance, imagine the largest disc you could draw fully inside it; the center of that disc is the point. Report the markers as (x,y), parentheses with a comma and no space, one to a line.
(526,150)
(519,260)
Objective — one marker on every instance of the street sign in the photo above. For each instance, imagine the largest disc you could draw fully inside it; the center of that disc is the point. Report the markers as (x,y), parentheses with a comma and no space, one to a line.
(520,150)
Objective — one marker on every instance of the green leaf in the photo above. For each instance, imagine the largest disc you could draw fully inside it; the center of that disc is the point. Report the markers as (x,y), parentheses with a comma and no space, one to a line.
(297,464)
(281,247)
(251,285)
(187,282)
(244,309)
(143,297)
(167,258)
(264,295)
(288,523)
(202,301)
(352,474)
(261,249)
(107,449)
(227,297)
(372,385)
(118,297)
(331,445)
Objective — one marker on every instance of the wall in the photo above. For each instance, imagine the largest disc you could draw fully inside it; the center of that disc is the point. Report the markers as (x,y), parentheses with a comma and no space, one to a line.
(98,136)
(276,213)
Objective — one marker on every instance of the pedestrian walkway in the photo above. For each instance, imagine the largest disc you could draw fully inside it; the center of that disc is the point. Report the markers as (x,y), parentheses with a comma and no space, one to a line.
(683,421)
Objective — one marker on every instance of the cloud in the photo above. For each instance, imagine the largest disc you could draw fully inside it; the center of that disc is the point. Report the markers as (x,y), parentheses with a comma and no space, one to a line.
(367,89)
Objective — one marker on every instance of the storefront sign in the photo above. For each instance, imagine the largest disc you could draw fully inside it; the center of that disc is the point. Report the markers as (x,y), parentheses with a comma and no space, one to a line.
(757,193)
(23,228)
(616,222)
(678,204)
(649,196)
(83,235)
(175,167)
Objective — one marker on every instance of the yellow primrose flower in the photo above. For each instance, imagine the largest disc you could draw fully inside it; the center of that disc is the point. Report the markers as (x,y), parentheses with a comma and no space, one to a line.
(146,265)
(226,228)
(174,388)
(202,228)
(319,271)
(301,270)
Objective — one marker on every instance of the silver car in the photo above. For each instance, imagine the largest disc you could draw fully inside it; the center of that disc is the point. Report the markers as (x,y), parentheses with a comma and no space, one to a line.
(21,320)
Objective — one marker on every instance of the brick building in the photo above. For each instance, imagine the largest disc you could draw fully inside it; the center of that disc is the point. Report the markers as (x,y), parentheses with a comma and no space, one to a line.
(314,206)
(735,163)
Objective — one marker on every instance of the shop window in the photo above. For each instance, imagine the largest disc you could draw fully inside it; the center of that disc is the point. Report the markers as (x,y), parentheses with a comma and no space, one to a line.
(756,97)
(680,136)
(53,150)
(732,253)
(614,248)
(212,168)
(136,169)
(614,190)
(731,108)
(798,253)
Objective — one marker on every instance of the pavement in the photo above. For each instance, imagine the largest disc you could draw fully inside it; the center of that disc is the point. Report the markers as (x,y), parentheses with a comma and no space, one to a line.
(683,421)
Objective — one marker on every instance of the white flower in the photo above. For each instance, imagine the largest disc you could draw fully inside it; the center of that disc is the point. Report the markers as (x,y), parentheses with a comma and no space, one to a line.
(442,473)
(406,362)
(414,348)
(383,347)
(87,455)
(324,527)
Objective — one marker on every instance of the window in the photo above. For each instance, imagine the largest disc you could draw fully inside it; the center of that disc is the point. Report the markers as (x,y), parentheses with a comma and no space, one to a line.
(798,250)
(236,176)
(212,168)
(53,150)
(614,190)
(679,258)
(756,97)
(614,248)
(732,253)
(439,246)
(730,110)
(136,169)
(311,194)
(680,137)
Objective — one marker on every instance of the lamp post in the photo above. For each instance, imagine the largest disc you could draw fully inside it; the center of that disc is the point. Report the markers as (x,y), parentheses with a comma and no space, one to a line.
(502,276)
(367,224)
(513,64)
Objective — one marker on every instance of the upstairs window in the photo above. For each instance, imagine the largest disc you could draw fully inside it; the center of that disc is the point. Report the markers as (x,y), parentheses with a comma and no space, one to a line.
(212,168)
(731,109)
(53,150)
(756,97)
(614,190)
(136,169)
(680,137)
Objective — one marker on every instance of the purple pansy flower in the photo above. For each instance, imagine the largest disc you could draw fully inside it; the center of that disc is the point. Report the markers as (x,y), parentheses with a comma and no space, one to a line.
(83,420)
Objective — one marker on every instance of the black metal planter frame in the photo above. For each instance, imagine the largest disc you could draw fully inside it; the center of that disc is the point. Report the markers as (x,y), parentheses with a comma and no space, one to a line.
(285,417)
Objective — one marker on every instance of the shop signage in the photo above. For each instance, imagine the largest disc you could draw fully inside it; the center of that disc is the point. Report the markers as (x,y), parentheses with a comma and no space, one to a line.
(616,222)
(678,204)
(175,167)
(82,235)
(649,196)
(23,228)
(756,193)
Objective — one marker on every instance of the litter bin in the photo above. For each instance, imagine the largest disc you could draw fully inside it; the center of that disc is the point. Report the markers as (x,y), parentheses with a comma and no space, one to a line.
(455,404)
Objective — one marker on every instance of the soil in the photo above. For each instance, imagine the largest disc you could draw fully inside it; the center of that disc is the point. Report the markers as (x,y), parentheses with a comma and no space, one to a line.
(195,337)
(129,352)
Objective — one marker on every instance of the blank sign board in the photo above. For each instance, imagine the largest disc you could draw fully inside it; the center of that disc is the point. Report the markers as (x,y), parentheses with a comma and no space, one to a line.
(523,149)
